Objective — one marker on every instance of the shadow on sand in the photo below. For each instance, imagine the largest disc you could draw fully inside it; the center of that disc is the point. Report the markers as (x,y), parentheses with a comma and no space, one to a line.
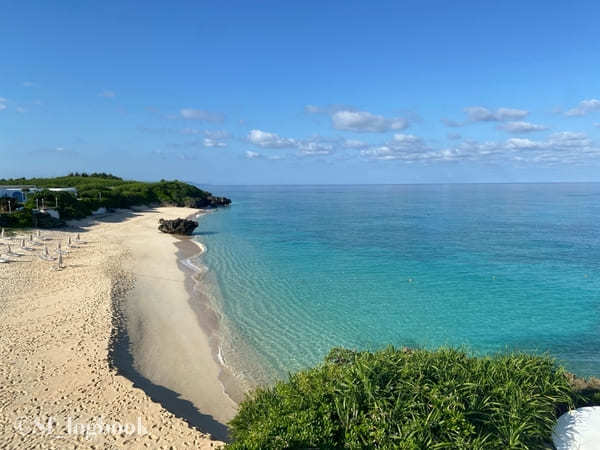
(121,360)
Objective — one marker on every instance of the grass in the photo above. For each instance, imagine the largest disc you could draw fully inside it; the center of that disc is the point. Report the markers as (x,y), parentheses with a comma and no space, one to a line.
(409,399)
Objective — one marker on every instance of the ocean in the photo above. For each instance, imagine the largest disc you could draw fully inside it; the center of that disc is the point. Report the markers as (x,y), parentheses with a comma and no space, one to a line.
(296,270)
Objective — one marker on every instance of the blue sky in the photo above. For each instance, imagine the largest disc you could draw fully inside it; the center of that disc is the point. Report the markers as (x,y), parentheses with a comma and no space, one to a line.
(302,92)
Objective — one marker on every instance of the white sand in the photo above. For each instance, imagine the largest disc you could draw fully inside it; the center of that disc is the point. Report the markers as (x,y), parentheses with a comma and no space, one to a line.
(56,331)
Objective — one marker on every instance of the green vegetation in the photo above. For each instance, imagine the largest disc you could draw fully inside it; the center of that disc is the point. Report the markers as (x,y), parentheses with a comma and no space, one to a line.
(104,190)
(409,399)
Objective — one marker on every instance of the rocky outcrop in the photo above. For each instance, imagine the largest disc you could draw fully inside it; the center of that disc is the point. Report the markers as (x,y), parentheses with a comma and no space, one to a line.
(209,201)
(218,201)
(177,226)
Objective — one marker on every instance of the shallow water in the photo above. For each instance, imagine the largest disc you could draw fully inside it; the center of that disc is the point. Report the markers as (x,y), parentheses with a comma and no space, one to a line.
(297,270)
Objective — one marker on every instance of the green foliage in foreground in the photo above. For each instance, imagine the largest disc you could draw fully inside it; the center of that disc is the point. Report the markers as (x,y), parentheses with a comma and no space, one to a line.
(408,399)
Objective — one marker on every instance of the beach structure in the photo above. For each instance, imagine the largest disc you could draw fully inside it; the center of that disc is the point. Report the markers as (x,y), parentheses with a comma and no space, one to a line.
(10,252)
(46,254)
(16,192)
(578,429)
(2,234)
(60,264)
(60,250)
(21,192)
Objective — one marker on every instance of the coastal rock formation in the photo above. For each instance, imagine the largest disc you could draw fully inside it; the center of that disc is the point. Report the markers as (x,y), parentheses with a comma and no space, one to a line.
(209,201)
(177,226)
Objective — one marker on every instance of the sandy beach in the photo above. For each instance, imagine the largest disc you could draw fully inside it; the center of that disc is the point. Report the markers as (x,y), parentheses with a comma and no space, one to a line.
(107,352)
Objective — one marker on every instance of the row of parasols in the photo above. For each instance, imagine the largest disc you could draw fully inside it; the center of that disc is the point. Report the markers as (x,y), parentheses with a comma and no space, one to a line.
(29,244)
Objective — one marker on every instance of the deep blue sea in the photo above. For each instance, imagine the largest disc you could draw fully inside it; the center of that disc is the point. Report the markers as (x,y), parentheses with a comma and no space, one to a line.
(297,270)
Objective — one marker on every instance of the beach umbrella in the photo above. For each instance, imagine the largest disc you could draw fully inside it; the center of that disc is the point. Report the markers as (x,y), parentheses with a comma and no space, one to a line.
(30,237)
(46,251)
(38,233)
(60,261)
(69,240)
(2,235)
(9,250)
(78,238)
(22,243)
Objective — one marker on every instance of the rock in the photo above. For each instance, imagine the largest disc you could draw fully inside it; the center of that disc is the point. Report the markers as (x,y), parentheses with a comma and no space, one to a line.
(177,226)
(209,201)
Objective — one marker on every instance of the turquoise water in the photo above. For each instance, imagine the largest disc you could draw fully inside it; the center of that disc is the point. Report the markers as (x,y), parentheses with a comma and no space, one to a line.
(297,270)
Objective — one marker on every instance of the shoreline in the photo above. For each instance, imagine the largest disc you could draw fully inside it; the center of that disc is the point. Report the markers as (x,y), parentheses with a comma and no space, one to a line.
(209,319)
(170,350)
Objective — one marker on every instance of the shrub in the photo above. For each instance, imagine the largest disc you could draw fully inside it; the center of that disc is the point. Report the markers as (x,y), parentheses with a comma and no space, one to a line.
(98,190)
(408,399)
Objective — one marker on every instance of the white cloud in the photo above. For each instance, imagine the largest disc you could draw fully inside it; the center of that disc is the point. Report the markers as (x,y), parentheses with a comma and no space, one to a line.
(252,155)
(216,134)
(521,127)
(29,84)
(363,121)
(407,147)
(200,114)
(347,118)
(265,139)
(314,146)
(20,109)
(519,143)
(354,143)
(107,94)
(584,107)
(2,106)
(481,114)
(560,148)
(209,142)
(312,109)
(452,123)
(2,103)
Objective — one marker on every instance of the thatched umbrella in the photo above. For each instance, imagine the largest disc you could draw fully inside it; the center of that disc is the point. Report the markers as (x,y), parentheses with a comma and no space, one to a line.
(60,261)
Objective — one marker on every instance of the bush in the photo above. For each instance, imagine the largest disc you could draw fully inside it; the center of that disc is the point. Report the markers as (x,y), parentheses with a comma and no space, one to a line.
(98,190)
(18,219)
(408,399)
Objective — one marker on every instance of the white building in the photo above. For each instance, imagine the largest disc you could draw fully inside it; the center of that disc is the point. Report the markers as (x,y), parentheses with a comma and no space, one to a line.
(20,193)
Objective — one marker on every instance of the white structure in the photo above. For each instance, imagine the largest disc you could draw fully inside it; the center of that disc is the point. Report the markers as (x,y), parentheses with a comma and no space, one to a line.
(21,192)
(578,429)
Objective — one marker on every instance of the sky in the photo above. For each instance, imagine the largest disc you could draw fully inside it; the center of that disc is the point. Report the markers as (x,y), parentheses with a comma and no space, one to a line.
(278,92)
